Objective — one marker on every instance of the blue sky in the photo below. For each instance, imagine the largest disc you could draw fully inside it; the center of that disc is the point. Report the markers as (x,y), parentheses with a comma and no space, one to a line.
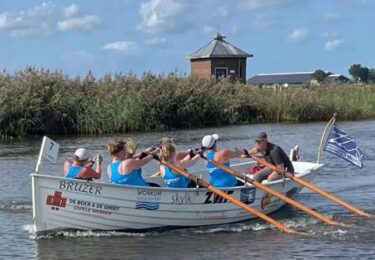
(157,35)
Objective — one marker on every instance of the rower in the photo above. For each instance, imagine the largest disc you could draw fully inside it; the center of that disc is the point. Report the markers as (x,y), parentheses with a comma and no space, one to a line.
(274,154)
(81,166)
(125,167)
(219,177)
(172,179)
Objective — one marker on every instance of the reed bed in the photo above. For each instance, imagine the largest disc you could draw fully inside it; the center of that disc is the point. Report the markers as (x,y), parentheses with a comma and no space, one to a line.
(37,101)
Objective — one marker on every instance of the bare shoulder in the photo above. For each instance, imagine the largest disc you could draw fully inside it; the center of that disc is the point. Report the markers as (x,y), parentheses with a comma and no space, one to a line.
(223,154)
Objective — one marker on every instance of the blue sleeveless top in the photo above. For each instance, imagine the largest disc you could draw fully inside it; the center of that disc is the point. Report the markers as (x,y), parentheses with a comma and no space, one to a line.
(217,176)
(73,171)
(132,178)
(174,180)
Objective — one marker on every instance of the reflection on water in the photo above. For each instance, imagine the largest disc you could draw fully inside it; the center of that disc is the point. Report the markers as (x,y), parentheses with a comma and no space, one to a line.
(251,238)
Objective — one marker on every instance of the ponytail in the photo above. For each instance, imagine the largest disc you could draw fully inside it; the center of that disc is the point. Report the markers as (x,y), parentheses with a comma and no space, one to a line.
(131,147)
(116,146)
(166,150)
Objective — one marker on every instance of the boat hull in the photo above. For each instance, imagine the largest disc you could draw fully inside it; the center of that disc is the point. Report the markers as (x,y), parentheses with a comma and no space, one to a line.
(61,204)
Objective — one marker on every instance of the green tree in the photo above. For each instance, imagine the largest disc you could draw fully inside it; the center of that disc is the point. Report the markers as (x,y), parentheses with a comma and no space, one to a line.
(320,75)
(359,73)
(371,75)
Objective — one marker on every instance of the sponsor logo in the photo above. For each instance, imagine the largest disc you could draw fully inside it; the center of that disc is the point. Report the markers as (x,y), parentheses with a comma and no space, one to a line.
(247,195)
(214,198)
(266,200)
(148,199)
(147,205)
(56,200)
(180,199)
(149,193)
(80,187)
(93,207)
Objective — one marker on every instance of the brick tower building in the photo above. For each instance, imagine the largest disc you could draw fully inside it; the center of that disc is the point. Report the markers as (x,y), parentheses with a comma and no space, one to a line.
(218,59)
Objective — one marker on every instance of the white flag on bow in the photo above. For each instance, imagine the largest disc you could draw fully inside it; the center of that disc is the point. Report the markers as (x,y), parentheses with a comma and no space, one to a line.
(49,150)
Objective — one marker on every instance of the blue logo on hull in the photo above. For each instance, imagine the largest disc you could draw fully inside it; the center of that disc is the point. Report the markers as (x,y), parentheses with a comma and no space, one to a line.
(147,205)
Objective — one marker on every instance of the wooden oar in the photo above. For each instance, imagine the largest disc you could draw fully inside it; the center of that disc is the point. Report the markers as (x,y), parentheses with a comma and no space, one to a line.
(156,174)
(316,189)
(271,191)
(221,193)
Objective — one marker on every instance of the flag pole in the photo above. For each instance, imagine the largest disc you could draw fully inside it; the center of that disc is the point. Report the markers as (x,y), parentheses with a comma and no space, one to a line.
(40,155)
(331,121)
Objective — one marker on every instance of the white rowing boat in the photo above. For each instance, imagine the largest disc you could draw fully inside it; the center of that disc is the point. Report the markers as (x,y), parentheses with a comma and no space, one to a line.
(63,204)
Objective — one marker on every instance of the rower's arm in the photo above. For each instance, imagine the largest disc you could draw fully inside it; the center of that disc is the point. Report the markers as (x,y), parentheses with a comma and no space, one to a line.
(253,150)
(188,162)
(66,163)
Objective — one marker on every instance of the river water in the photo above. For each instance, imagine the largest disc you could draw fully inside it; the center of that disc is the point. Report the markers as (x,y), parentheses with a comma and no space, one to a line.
(250,239)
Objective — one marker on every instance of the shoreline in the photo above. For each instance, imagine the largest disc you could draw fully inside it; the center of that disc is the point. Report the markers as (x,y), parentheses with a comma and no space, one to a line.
(38,102)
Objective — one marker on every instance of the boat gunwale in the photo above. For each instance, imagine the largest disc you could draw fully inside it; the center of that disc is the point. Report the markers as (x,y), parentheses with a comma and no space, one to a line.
(127,186)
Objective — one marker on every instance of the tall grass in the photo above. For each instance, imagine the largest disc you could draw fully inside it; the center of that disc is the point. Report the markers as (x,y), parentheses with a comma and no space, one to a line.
(37,101)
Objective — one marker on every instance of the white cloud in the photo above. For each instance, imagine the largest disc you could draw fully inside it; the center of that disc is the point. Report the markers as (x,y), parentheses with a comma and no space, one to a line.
(299,35)
(44,20)
(33,22)
(86,22)
(121,46)
(331,45)
(71,10)
(3,20)
(156,42)
(161,16)
(263,4)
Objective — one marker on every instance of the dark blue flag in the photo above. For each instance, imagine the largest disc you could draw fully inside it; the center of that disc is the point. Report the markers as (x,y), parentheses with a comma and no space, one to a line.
(340,143)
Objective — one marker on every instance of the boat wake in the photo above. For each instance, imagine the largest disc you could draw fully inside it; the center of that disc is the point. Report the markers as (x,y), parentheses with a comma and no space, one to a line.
(252,225)
(83,234)
(338,234)
(16,207)
(297,222)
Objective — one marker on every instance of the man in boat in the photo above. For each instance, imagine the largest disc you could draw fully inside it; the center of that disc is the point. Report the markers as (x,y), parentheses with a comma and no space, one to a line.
(274,154)
(218,177)
(172,179)
(125,167)
(81,166)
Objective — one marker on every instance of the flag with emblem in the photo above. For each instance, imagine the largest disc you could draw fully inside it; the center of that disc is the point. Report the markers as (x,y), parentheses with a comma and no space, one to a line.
(340,143)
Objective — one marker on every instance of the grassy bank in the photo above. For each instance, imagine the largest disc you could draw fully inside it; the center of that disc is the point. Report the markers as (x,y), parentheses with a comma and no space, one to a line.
(35,102)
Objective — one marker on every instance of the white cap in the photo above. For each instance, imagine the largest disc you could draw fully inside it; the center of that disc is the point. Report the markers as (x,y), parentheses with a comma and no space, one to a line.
(82,154)
(209,140)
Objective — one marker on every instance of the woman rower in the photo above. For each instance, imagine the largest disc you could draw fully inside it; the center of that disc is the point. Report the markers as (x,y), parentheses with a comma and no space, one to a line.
(172,179)
(81,166)
(125,167)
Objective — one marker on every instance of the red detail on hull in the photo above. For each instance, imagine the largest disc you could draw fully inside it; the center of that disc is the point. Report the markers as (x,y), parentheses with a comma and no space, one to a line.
(56,200)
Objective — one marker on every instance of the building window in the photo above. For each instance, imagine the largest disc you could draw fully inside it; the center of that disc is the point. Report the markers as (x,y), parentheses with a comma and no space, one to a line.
(221,72)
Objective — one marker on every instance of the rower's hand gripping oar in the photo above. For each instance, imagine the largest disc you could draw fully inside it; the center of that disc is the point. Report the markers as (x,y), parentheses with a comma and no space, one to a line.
(158,173)
(269,190)
(312,187)
(221,193)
